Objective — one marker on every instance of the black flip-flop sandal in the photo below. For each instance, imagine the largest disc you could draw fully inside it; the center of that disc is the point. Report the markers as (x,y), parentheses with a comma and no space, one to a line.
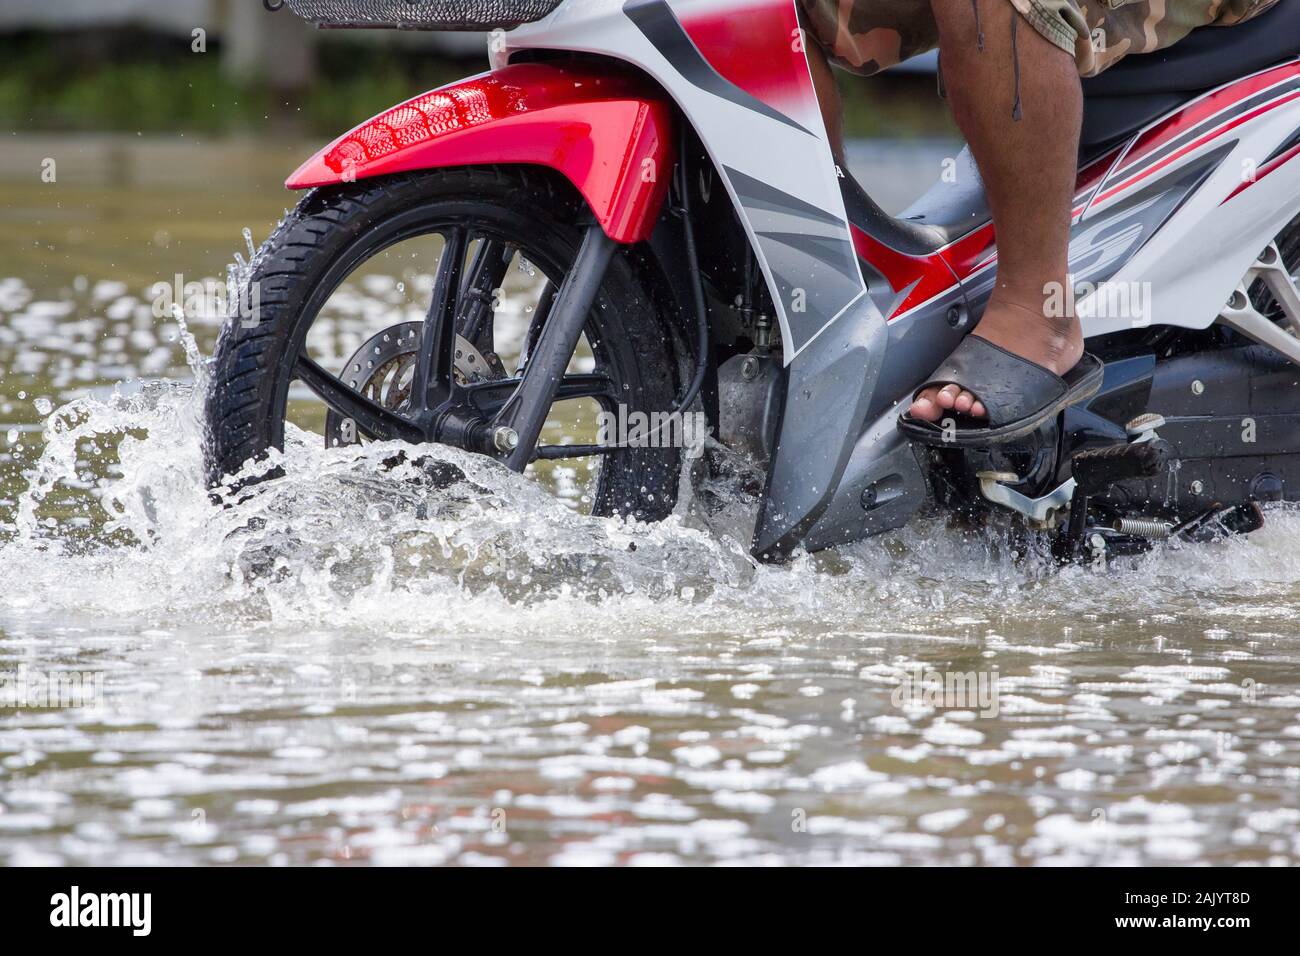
(1019,396)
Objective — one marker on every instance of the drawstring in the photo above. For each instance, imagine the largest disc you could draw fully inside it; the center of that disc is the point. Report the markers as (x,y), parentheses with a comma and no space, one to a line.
(1015,64)
(1016,112)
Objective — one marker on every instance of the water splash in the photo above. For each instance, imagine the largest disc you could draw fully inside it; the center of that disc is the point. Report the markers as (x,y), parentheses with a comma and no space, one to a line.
(116,518)
(426,637)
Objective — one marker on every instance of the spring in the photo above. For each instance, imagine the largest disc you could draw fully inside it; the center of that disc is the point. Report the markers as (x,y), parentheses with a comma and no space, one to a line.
(1142,527)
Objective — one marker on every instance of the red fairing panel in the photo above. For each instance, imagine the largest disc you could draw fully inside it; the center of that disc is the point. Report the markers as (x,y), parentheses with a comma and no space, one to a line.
(606,132)
(929,276)
(759,46)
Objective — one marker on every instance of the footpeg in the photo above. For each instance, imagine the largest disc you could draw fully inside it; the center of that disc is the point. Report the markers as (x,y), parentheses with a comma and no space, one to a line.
(1097,469)
(1143,457)
(1143,428)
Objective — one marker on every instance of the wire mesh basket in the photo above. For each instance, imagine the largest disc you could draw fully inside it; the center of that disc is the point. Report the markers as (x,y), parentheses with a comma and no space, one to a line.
(423,14)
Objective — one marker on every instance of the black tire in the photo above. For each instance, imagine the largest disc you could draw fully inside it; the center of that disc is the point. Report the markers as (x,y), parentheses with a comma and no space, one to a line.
(332,227)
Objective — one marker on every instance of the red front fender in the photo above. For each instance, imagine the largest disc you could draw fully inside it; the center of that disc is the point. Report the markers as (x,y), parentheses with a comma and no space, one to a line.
(607,132)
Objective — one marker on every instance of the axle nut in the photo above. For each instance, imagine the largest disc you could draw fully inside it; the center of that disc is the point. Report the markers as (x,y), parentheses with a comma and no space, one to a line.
(505,439)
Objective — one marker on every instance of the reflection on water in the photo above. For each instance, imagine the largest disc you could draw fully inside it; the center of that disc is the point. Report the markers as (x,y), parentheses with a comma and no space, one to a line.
(362,664)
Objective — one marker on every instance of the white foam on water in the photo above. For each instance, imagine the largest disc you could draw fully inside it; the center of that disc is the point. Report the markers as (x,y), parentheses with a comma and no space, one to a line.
(343,541)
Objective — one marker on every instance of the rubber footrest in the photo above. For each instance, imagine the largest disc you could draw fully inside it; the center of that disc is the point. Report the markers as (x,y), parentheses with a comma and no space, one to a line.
(1096,469)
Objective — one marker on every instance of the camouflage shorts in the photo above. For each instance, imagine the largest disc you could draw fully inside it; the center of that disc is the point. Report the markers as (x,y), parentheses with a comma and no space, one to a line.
(867,36)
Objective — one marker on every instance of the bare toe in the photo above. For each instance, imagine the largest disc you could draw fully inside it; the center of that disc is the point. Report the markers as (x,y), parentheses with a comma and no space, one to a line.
(925,407)
(977,410)
(948,396)
(964,402)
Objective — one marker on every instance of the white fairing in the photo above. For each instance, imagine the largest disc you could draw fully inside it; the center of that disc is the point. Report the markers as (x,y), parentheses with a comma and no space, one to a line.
(1169,232)
(1189,267)
(1180,236)
(776,164)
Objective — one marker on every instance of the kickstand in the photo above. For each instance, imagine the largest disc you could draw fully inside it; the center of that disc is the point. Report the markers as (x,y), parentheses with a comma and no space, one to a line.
(1070,542)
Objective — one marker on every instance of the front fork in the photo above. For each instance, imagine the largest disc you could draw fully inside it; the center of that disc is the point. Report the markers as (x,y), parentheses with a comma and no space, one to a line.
(517,427)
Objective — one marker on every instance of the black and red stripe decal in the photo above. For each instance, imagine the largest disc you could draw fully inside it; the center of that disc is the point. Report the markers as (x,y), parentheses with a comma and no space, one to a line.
(1196,125)
(1201,122)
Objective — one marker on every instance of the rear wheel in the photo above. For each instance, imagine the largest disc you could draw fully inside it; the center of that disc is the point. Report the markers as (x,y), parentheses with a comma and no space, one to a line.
(347,283)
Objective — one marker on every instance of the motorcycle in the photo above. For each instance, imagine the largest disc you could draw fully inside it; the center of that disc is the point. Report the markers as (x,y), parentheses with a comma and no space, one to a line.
(662,169)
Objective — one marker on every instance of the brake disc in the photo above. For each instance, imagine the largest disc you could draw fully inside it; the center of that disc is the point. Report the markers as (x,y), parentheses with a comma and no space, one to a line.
(382,370)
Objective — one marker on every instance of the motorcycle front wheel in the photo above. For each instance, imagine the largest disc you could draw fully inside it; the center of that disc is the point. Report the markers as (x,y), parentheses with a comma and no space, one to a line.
(342,286)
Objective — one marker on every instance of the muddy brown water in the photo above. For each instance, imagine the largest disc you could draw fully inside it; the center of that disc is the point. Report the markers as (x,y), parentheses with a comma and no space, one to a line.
(357,667)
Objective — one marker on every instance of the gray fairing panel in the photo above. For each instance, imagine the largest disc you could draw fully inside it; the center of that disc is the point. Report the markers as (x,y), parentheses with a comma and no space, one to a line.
(828,393)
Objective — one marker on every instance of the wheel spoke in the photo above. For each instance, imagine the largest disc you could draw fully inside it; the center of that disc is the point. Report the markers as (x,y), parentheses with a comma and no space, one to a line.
(478,292)
(463,304)
(490,397)
(370,418)
(433,379)
(553,452)
(544,303)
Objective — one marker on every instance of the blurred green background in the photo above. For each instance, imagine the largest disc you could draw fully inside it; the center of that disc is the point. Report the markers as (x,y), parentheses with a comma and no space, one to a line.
(231,66)
(141,136)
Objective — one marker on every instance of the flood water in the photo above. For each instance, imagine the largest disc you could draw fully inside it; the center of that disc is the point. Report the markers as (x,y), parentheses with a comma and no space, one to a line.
(359,667)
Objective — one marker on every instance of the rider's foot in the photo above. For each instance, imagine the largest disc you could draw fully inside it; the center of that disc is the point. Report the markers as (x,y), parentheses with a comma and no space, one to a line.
(1054,343)
(1019,104)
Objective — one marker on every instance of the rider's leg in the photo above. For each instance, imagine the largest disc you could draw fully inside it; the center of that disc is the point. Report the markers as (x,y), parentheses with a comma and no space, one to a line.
(1028,166)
